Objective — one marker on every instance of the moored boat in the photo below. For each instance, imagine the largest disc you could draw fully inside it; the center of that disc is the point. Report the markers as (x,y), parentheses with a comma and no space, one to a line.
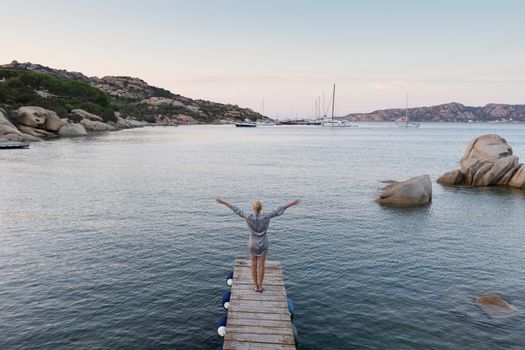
(13,145)
(337,123)
(407,123)
(247,123)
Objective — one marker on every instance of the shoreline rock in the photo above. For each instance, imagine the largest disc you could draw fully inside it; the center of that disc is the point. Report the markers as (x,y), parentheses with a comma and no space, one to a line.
(37,123)
(72,130)
(487,161)
(10,133)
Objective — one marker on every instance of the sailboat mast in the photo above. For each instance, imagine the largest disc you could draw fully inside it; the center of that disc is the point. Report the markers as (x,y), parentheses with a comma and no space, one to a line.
(318,107)
(406,110)
(333,102)
(324,109)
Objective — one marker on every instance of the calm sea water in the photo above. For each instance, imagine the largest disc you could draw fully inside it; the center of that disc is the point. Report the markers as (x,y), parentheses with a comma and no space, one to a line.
(115,242)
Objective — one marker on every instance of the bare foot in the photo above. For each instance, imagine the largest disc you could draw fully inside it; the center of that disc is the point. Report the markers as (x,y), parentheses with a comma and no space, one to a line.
(260,289)
(255,288)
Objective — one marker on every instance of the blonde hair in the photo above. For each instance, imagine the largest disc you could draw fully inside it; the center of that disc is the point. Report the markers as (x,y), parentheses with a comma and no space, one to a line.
(257,207)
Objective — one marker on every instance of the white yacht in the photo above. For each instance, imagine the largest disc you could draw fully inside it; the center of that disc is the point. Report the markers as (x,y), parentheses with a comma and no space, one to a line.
(265,124)
(247,123)
(337,123)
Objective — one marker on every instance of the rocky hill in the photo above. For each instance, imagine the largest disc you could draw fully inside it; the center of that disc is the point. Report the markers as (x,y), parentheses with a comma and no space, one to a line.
(449,112)
(133,97)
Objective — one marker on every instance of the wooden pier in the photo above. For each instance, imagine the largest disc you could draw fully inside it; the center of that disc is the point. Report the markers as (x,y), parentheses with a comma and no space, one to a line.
(258,321)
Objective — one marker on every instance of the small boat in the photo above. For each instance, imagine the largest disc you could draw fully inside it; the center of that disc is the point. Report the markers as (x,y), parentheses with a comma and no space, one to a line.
(247,123)
(337,123)
(13,145)
(407,123)
(314,122)
(265,124)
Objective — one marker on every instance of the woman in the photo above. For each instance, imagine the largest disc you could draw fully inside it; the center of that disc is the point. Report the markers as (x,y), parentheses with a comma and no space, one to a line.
(258,244)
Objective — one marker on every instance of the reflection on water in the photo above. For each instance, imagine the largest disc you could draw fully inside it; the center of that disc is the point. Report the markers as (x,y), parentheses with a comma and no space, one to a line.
(114,241)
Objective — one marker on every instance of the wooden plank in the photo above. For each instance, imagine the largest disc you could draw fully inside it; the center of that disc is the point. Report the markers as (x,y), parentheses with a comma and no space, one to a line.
(249,279)
(260,338)
(266,269)
(258,323)
(267,304)
(267,273)
(249,286)
(258,316)
(235,345)
(252,329)
(268,264)
(265,283)
(267,295)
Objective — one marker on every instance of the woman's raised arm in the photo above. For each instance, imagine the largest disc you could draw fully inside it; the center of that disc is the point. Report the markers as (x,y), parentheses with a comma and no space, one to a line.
(236,210)
(292,203)
(223,202)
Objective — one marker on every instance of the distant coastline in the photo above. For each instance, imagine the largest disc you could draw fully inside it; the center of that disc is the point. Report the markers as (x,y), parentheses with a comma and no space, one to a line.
(449,112)
(90,104)
(29,84)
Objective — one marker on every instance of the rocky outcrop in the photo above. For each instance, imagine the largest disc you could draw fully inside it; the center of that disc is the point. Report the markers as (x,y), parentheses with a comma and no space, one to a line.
(93,125)
(39,122)
(8,132)
(412,192)
(37,132)
(72,130)
(487,161)
(122,123)
(448,112)
(36,123)
(54,122)
(34,67)
(32,116)
(518,179)
(453,177)
(495,306)
(137,98)
(86,115)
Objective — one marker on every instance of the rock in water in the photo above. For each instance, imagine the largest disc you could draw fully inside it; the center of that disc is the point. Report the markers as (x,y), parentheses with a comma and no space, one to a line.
(36,132)
(86,115)
(53,122)
(72,130)
(33,116)
(7,130)
(454,177)
(412,192)
(93,125)
(487,161)
(518,179)
(495,306)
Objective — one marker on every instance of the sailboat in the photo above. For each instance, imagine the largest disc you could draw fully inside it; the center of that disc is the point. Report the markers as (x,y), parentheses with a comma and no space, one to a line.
(264,123)
(336,123)
(407,123)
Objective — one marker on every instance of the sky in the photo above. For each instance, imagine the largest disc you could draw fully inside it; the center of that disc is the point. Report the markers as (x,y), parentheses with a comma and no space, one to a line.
(286,53)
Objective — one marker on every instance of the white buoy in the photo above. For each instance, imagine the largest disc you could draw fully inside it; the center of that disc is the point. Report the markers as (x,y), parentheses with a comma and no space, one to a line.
(221,331)
(229,282)
(227,305)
